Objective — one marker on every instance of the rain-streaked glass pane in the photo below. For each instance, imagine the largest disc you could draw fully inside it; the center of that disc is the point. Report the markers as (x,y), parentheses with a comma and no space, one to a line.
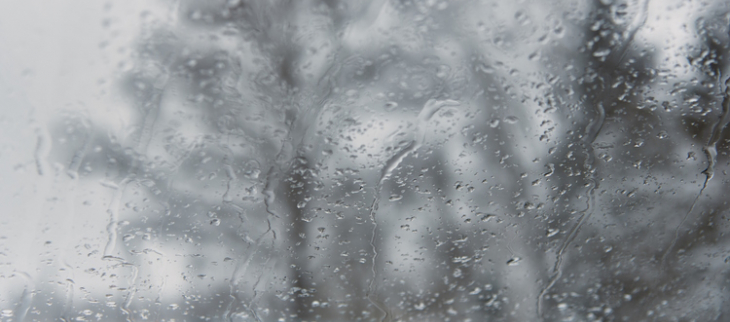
(384,160)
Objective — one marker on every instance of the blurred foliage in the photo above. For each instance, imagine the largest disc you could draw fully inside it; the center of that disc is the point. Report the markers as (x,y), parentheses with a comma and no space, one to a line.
(252,179)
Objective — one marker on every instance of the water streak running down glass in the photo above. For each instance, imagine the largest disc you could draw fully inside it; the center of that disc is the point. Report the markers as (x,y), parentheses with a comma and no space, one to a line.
(385,160)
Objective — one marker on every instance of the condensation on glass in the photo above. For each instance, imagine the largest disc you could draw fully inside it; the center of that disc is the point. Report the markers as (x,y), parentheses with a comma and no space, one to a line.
(385,160)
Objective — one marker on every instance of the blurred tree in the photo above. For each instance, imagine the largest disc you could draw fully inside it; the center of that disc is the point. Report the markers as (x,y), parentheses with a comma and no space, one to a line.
(288,160)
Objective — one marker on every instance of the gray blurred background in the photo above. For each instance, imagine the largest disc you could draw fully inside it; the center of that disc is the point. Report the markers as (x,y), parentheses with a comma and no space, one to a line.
(386,160)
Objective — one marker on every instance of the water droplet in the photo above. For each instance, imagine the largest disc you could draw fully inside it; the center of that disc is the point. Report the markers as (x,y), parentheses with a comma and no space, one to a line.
(457,272)
(461,259)
(511,119)
(552,232)
(601,53)
(486,68)
(391,106)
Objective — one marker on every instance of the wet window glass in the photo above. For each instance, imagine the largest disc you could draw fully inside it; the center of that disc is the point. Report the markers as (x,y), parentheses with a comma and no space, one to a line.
(384,160)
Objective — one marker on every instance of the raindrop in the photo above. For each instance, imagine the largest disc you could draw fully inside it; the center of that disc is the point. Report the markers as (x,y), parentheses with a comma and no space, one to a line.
(514,261)
(457,272)
(511,119)
(601,53)
(486,68)
(461,259)
(552,232)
